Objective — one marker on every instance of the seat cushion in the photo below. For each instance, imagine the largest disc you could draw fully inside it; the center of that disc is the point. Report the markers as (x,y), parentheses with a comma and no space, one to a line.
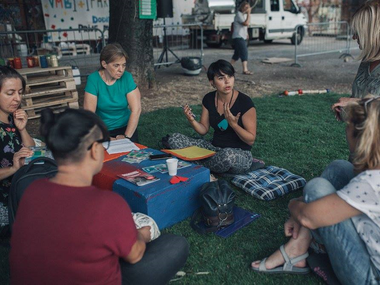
(269,182)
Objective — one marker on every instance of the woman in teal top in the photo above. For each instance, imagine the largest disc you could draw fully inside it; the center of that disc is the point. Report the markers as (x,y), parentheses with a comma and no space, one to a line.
(113,95)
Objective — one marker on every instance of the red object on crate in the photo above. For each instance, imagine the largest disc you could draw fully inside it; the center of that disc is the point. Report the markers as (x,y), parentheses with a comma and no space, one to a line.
(107,176)
(17,63)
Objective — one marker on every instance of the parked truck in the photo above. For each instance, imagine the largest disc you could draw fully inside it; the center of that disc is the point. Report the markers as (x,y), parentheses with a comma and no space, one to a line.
(270,20)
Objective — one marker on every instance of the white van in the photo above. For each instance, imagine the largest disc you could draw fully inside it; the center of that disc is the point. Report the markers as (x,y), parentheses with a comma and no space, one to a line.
(270,20)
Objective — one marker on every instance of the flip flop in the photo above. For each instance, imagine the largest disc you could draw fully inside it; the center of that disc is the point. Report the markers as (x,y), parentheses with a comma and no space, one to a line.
(288,266)
(247,72)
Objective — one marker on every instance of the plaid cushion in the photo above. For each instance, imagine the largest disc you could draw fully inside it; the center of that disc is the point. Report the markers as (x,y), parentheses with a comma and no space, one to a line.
(269,183)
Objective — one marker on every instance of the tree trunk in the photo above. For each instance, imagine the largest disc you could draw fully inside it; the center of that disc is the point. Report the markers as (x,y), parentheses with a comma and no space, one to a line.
(135,36)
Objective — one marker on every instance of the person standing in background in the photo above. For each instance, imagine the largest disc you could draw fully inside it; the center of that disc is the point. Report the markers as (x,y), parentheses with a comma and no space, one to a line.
(240,35)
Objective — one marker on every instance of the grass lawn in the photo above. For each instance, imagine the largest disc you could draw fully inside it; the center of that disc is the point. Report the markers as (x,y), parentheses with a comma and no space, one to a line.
(298,133)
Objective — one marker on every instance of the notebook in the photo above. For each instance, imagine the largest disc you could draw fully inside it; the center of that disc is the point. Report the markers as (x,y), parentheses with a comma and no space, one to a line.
(190,153)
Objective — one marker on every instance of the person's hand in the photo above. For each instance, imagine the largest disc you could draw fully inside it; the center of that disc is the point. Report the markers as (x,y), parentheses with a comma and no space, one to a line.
(144,233)
(188,113)
(231,119)
(291,228)
(113,139)
(119,137)
(338,107)
(19,157)
(342,102)
(20,119)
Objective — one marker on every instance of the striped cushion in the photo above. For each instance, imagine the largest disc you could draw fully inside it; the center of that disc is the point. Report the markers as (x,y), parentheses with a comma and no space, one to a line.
(269,183)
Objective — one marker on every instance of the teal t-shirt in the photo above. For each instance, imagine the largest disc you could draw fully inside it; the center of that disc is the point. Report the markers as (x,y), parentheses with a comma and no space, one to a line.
(112,106)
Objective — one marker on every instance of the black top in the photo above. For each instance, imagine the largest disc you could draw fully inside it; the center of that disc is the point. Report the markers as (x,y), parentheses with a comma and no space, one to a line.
(227,138)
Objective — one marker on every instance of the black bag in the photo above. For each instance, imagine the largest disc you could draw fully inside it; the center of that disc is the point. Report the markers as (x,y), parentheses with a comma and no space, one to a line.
(24,177)
(217,203)
(164,143)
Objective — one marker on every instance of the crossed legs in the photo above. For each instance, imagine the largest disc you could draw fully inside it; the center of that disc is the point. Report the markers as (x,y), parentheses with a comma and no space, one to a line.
(341,240)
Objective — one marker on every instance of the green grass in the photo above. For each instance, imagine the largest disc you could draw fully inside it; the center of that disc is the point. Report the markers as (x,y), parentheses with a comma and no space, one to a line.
(297,133)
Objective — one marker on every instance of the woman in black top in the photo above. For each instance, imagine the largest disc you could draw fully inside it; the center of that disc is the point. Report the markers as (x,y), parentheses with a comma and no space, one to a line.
(231,114)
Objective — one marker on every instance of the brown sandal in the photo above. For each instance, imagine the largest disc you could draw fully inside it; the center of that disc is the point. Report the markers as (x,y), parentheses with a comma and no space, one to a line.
(247,72)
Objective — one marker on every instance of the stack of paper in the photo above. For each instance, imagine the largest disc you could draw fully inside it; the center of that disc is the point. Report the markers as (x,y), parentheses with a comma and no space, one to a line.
(118,146)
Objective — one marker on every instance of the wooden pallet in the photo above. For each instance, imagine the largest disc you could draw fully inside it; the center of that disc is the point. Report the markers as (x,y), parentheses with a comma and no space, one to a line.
(57,106)
(52,87)
(29,73)
(42,88)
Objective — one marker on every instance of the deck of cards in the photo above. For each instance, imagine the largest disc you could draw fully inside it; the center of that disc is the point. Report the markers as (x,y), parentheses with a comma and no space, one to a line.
(136,156)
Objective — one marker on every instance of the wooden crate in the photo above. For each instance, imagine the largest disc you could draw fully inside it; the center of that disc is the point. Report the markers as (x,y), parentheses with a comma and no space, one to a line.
(35,111)
(52,87)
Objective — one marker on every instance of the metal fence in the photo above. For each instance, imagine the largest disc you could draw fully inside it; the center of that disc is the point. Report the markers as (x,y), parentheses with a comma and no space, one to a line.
(173,42)
(81,47)
(323,38)
(78,47)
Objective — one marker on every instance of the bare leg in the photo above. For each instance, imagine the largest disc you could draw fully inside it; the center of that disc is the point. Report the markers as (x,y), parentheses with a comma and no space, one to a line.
(233,61)
(294,248)
(245,65)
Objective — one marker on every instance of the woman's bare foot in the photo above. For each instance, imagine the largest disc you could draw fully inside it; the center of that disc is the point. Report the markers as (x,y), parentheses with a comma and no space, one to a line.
(276,259)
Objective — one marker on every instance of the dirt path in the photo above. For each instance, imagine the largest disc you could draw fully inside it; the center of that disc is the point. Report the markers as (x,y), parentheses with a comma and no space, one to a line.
(173,88)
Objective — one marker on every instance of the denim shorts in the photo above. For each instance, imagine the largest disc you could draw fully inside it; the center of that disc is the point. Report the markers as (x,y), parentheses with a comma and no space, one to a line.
(241,50)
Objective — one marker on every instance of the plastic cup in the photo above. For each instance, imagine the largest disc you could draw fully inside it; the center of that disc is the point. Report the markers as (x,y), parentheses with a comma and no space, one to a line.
(172,164)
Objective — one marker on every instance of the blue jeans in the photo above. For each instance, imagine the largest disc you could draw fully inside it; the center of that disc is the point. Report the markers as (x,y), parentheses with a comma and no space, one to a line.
(347,252)
(162,259)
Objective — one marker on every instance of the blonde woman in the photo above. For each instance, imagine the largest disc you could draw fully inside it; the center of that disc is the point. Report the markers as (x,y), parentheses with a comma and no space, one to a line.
(365,26)
(339,209)
(113,95)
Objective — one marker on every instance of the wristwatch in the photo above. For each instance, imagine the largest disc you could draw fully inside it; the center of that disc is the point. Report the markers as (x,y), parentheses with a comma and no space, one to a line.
(127,137)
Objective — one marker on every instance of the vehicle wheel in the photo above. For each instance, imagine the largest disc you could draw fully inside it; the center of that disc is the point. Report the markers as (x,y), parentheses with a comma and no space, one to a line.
(297,37)
(268,41)
(214,45)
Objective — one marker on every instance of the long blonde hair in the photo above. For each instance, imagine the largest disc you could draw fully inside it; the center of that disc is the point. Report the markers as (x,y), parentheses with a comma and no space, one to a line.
(366,26)
(364,115)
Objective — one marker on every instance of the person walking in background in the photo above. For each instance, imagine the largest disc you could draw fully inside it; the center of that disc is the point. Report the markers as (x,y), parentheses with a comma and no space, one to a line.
(112,94)
(240,36)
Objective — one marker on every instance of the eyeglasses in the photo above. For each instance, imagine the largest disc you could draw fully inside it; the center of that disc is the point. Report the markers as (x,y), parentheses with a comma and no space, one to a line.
(105,142)
(366,103)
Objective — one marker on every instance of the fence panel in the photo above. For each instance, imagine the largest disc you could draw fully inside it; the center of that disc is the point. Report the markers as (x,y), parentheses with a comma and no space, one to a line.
(170,44)
(79,47)
(173,42)
(323,38)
